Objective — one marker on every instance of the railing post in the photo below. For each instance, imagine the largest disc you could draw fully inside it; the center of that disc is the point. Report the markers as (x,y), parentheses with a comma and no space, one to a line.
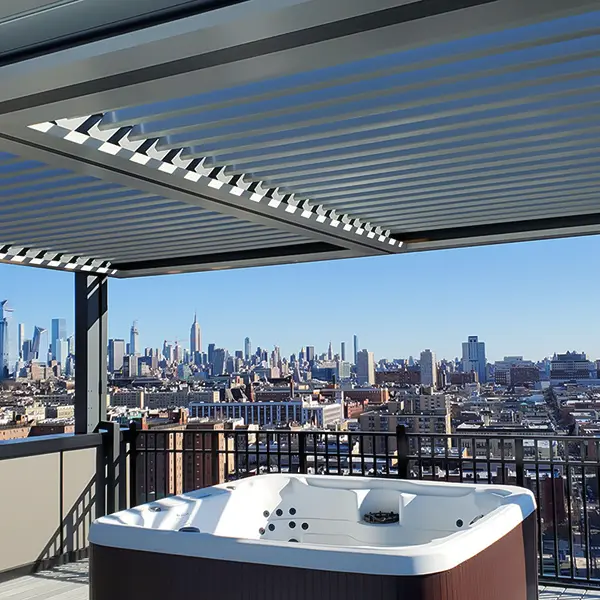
(112,448)
(101,477)
(301,452)
(402,451)
(519,462)
(133,456)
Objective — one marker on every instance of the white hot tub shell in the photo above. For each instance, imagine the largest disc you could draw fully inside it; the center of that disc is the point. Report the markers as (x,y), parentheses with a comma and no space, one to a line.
(399,531)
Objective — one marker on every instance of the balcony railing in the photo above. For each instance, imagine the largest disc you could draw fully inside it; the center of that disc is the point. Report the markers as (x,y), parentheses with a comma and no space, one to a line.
(60,484)
(562,472)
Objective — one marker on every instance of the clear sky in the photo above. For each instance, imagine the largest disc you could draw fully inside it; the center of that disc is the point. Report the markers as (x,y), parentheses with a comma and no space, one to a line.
(532,299)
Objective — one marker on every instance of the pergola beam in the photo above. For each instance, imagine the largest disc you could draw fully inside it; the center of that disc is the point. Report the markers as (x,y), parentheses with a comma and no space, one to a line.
(87,159)
(249,42)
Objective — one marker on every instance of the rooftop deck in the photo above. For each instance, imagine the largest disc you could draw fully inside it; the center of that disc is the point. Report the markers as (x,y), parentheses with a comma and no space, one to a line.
(70,582)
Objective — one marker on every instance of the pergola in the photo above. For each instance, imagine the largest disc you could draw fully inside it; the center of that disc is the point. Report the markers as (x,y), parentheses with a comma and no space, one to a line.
(169,136)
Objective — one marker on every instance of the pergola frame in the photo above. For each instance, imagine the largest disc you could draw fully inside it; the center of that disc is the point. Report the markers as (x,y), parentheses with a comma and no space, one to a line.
(56,103)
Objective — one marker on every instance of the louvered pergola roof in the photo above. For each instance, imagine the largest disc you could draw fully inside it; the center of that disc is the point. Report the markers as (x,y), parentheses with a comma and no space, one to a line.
(258,133)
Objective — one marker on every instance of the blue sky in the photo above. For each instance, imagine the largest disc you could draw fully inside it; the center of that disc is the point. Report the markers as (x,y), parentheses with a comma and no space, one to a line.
(531,298)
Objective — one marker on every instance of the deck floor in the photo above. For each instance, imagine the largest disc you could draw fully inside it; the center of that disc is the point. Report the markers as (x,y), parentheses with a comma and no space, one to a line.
(70,582)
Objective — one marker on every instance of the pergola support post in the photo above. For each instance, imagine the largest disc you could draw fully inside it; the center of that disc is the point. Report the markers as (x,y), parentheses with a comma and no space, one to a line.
(91,341)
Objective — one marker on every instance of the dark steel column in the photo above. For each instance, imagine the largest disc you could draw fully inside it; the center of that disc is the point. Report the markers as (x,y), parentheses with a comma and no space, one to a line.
(91,341)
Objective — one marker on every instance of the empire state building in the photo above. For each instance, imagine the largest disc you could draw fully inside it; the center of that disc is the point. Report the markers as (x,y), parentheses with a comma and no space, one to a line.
(195,337)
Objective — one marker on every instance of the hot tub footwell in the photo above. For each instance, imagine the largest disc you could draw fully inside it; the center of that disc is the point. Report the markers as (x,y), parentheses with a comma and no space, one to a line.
(507,570)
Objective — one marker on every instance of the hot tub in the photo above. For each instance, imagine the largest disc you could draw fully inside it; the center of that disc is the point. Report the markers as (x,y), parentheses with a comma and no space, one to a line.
(292,537)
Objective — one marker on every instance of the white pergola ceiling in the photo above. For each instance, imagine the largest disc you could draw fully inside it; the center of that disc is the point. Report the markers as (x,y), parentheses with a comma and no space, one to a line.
(274,133)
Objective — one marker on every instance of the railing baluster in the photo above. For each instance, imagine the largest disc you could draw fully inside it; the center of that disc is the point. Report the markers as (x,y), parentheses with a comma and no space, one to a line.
(146,476)
(375,442)
(386,439)
(538,493)
(489,460)
(166,475)
(595,447)
(553,496)
(502,461)
(133,464)
(474,463)
(460,459)
(569,509)
(585,533)
(447,442)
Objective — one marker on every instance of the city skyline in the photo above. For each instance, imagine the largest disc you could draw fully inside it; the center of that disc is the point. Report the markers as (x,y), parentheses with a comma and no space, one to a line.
(399,312)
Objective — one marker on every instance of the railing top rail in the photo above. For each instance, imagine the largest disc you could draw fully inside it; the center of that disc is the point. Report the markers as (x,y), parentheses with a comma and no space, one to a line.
(542,436)
(48,444)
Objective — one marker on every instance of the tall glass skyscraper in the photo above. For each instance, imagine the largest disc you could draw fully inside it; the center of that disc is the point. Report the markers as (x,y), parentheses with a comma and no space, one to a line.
(5,339)
(473,357)
(365,367)
(37,348)
(59,332)
(20,339)
(220,357)
(355,349)
(116,355)
(428,368)
(247,348)
(134,340)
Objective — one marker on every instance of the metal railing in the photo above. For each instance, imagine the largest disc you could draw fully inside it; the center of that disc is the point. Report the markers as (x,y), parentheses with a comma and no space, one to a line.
(562,472)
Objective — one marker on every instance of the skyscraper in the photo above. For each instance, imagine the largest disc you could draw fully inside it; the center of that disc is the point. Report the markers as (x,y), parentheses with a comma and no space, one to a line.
(62,351)
(20,339)
(27,353)
(310,353)
(195,337)
(71,340)
(58,332)
(5,354)
(211,354)
(473,357)
(355,349)
(177,353)
(134,340)
(428,368)
(37,348)
(343,350)
(116,354)
(330,352)
(365,367)
(247,348)
(219,361)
